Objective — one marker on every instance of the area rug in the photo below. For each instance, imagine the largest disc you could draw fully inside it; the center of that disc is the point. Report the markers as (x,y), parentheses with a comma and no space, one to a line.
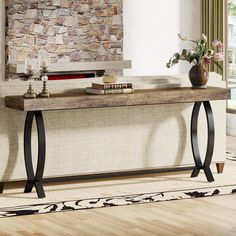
(119,192)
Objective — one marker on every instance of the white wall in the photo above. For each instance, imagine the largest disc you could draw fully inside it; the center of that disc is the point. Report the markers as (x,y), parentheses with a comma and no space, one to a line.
(150,33)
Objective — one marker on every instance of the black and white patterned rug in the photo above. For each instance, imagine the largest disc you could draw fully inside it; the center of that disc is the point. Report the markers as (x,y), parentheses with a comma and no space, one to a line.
(230,156)
(115,201)
(111,201)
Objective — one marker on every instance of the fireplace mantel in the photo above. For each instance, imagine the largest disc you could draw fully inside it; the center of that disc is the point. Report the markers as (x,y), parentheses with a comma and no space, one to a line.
(77,66)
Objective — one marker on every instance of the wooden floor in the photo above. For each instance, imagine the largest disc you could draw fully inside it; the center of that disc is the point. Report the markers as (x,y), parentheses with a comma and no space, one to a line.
(205,217)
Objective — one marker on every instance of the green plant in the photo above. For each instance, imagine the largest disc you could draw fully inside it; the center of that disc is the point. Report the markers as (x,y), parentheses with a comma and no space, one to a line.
(231,9)
(199,54)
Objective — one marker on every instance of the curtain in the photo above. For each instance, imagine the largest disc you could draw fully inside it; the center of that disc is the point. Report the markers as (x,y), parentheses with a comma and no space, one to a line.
(213,24)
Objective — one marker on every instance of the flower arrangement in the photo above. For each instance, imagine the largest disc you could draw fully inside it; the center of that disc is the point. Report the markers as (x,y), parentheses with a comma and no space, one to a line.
(199,54)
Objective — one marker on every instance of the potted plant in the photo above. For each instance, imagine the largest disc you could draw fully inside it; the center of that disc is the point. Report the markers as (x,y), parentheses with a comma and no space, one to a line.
(201,56)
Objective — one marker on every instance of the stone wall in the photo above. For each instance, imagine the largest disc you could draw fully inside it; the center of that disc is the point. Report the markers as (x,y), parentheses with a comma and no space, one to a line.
(70,30)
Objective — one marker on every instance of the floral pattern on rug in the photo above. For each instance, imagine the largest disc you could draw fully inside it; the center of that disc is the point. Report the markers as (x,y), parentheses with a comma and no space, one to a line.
(115,201)
(230,156)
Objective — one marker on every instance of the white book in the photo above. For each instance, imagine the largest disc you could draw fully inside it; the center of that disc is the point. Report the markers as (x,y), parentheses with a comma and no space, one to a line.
(110,91)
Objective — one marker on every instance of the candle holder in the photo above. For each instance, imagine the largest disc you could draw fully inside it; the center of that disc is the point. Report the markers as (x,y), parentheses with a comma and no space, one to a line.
(30,92)
(43,76)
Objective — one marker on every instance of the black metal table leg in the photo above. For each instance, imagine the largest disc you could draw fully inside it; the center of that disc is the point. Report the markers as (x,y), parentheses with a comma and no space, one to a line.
(34,179)
(210,141)
(2,187)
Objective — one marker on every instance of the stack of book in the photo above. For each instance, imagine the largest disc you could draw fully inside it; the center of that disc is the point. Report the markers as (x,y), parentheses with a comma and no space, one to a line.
(110,88)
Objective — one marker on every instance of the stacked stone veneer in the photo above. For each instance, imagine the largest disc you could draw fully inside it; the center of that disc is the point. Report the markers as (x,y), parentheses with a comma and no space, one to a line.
(70,30)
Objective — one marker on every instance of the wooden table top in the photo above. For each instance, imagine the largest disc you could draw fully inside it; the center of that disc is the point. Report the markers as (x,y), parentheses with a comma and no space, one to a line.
(80,100)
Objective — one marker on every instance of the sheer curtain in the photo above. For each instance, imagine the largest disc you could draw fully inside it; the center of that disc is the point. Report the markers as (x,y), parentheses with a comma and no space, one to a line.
(213,25)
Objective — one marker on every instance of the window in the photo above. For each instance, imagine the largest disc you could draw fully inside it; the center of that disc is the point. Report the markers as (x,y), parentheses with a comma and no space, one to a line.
(232,52)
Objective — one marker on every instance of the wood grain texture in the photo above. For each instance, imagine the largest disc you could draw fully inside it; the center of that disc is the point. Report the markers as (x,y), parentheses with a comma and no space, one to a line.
(212,216)
(82,100)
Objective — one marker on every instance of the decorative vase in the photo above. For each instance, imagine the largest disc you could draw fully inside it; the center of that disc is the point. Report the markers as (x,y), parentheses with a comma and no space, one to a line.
(198,76)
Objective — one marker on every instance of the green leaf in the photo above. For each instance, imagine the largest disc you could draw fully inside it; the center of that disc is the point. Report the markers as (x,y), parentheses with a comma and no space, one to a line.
(177,55)
(184,52)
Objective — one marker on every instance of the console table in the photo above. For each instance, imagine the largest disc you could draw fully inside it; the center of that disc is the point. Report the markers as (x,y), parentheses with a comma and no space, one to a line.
(81,100)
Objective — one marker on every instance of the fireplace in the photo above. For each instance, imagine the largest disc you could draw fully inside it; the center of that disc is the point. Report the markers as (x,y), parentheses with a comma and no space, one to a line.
(78,75)
(70,31)
(75,70)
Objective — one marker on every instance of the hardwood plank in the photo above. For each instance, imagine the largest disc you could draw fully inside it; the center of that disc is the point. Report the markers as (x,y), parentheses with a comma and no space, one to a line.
(203,216)
(82,100)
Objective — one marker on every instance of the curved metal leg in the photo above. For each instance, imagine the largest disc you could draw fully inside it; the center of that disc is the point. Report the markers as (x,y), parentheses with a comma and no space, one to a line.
(34,179)
(2,187)
(210,142)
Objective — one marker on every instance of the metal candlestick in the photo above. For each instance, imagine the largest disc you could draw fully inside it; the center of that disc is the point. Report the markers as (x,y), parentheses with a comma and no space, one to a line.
(30,92)
(45,93)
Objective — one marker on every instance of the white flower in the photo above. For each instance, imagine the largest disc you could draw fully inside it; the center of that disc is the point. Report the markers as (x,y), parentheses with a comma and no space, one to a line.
(182,37)
(215,43)
(191,52)
(204,38)
(219,56)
